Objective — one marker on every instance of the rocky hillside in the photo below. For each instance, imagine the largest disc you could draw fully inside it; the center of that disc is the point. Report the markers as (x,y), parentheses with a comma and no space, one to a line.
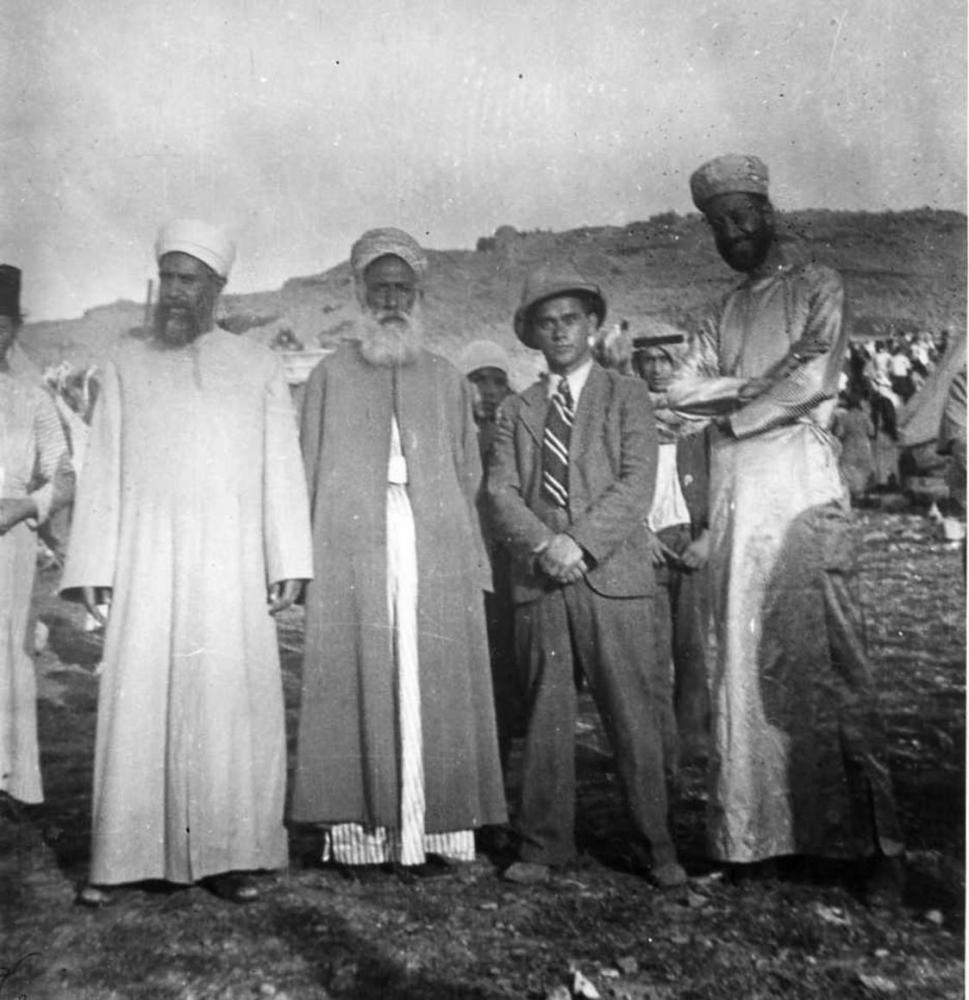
(903,270)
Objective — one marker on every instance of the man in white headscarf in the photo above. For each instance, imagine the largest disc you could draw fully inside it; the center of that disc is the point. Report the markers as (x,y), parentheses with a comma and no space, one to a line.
(397,754)
(798,765)
(192,522)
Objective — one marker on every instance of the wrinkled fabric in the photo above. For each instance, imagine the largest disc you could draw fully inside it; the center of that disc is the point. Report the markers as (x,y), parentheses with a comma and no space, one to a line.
(33,462)
(918,421)
(408,844)
(192,502)
(797,740)
(348,766)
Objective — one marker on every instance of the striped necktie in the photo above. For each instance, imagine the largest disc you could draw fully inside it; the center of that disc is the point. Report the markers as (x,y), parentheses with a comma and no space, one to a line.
(555,446)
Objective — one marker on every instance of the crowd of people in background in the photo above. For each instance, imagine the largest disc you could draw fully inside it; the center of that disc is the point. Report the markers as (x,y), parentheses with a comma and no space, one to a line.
(879,379)
(669,529)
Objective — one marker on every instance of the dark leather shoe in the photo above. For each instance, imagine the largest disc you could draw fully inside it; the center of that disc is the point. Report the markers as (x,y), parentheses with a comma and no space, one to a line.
(433,867)
(233,887)
(885,882)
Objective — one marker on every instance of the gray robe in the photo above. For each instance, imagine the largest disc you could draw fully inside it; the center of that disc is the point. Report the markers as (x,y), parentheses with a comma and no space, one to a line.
(347,755)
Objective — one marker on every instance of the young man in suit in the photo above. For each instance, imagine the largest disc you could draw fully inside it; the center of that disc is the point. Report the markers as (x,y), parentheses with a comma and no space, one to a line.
(570,483)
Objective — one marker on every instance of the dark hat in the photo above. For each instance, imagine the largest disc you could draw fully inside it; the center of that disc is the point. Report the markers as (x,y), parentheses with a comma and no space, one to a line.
(10,291)
(642,343)
(549,283)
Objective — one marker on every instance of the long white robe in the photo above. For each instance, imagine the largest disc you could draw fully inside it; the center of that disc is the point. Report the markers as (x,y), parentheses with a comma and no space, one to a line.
(33,462)
(796,768)
(192,501)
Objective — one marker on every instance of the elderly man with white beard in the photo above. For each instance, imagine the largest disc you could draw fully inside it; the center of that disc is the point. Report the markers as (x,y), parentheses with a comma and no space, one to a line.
(397,755)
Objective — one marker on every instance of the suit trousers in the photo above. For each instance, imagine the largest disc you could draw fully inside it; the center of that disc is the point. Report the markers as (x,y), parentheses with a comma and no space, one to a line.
(610,640)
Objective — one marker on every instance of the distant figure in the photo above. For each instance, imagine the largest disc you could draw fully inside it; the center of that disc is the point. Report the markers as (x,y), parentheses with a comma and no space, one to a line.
(952,441)
(679,542)
(396,755)
(798,759)
(900,370)
(853,427)
(485,365)
(35,480)
(570,482)
(192,523)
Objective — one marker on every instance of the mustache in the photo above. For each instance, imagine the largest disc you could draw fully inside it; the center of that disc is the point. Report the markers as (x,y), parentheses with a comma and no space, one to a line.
(391,316)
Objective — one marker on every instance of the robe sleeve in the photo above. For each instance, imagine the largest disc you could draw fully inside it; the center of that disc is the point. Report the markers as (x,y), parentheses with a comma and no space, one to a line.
(468,464)
(798,384)
(54,476)
(699,391)
(310,429)
(286,519)
(952,427)
(93,548)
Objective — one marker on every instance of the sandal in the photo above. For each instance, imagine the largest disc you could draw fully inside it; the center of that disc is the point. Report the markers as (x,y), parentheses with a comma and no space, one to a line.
(94,896)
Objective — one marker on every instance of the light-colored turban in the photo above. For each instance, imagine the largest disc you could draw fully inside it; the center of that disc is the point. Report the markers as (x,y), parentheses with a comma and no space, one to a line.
(207,243)
(727,175)
(376,243)
(482,354)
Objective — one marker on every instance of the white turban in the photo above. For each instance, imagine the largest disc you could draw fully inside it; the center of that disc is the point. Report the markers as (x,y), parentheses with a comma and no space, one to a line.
(209,244)
(376,243)
(482,354)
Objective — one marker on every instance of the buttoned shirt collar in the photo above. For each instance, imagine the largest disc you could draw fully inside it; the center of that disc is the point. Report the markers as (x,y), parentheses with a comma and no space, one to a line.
(576,380)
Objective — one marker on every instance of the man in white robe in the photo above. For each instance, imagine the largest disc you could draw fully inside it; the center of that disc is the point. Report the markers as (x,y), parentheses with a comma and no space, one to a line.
(192,521)
(798,763)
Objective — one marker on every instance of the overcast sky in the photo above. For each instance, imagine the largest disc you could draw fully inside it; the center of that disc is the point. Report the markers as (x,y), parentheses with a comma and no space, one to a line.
(301,123)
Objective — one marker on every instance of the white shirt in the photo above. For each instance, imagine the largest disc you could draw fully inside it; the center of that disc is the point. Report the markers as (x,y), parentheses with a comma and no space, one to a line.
(669,505)
(576,379)
(900,365)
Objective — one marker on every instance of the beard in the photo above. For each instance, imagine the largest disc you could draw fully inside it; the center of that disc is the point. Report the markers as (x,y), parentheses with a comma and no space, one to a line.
(748,253)
(390,340)
(176,328)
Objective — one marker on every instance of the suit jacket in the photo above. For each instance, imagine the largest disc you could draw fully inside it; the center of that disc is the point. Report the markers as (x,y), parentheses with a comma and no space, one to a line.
(612,473)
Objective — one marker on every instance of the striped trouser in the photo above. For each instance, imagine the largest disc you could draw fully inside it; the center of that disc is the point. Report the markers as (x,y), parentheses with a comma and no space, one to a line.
(351,843)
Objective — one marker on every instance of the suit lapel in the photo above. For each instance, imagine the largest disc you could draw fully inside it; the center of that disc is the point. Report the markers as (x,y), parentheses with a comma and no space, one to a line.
(589,407)
(533,413)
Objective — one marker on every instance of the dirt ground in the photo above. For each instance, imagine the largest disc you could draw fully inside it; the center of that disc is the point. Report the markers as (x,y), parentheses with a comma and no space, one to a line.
(316,934)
